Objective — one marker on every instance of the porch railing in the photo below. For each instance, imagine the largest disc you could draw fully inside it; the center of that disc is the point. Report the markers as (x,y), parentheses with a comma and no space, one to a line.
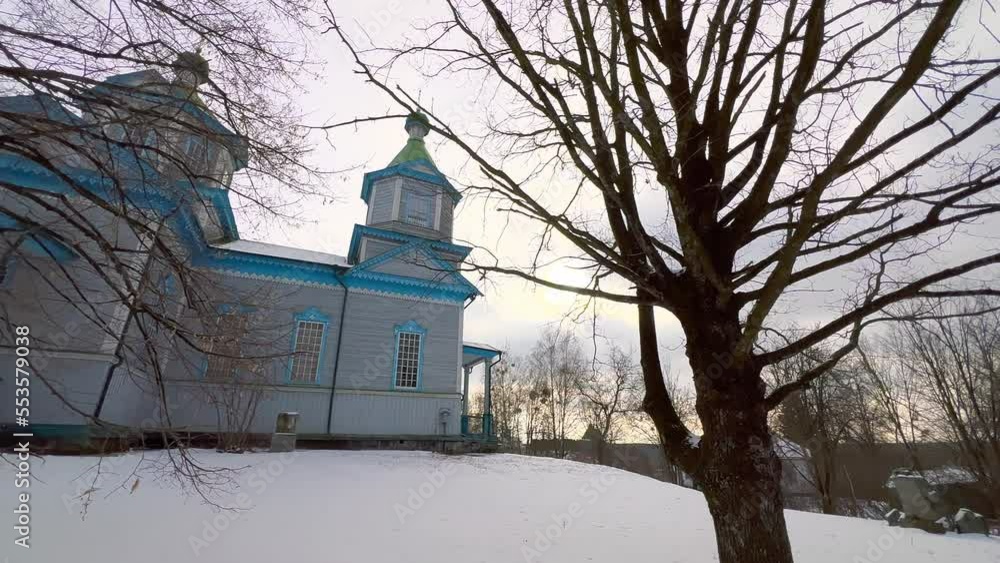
(477,426)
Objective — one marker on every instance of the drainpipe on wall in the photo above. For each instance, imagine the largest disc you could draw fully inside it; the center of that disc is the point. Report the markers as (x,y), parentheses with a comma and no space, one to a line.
(336,357)
(125,326)
(114,365)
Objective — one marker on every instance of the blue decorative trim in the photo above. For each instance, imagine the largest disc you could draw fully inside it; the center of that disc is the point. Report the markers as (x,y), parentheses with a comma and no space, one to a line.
(409,170)
(409,327)
(480,352)
(312,315)
(229,308)
(361,231)
(455,288)
(268,267)
(39,245)
(170,284)
(181,216)
(182,219)
(219,198)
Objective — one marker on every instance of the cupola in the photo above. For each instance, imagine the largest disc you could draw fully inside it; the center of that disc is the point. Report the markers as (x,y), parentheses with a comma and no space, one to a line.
(411,196)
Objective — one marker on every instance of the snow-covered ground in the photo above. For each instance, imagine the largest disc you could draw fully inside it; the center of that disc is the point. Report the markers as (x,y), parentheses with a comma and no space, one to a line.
(392,507)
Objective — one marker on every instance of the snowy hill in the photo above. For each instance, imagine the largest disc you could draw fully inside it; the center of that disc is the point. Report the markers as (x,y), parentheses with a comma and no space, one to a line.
(375,507)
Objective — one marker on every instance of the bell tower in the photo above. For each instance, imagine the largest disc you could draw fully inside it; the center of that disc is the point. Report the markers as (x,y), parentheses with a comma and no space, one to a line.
(411,196)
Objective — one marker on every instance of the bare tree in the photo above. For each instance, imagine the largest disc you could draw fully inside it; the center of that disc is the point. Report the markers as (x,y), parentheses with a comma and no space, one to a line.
(557,363)
(889,385)
(134,116)
(609,392)
(509,396)
(817,418)
(771,148)
(955,358)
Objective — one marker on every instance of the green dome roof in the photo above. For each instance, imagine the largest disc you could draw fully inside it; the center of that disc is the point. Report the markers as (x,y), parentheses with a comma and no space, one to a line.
(417,125)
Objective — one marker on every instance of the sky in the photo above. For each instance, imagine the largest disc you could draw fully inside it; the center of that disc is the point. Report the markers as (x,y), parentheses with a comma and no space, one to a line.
(511,313)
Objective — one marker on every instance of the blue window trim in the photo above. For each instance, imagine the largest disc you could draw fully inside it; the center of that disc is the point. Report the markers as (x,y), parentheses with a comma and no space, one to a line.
(409,327)
(312,315)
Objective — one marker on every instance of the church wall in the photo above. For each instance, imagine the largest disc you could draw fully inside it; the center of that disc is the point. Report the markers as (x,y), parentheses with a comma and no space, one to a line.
(369,342)
(76,377)
(365,402)
(415,265)
(382,200)
(375,247)
(375,413)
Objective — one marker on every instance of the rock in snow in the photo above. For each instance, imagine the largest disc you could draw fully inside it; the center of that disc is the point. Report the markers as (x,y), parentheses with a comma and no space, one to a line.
(382,507)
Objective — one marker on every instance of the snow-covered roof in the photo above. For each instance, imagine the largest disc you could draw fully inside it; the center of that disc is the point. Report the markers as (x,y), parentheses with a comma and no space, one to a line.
(481,346)
(787,449)
(287,252)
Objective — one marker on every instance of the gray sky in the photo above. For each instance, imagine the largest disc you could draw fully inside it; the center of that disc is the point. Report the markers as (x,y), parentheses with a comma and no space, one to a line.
(512,312)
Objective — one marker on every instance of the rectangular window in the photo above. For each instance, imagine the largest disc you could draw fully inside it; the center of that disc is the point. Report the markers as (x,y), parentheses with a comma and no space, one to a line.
(223,345)
(407,359)
(308,346)
(417,208)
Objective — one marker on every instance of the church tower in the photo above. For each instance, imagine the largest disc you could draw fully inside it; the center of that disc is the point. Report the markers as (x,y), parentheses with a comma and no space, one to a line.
(407,200)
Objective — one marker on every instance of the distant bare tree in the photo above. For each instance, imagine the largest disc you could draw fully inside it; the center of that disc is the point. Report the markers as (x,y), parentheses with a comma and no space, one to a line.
(609,393)
(956,360)
(557,364)
(884,378)
(509,396)
(818,418)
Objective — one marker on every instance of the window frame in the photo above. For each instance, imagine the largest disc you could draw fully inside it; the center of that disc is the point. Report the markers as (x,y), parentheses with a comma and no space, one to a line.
(313,316)
(235,312)
(405,205)
(409,328)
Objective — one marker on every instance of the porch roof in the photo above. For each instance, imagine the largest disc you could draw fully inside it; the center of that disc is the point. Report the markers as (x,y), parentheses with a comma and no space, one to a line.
(474,352)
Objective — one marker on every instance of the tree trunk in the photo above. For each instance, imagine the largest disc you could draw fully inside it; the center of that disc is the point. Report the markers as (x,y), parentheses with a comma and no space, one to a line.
(600,452)
(739,470)
(734,463)
(741,479)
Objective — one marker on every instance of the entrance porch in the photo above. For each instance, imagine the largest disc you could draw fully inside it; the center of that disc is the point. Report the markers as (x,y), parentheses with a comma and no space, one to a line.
(478,426)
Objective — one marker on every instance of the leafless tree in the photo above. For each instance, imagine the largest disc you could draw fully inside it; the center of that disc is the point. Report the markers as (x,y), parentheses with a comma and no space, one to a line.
(609,393)
(817,418)
(954,358)
(509,397)
(104,150)
(884,379)
(557,364)
(715,160)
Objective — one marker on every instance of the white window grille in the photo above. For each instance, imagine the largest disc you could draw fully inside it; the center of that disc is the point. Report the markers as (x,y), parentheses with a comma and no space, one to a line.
(408,359)
(308,346)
